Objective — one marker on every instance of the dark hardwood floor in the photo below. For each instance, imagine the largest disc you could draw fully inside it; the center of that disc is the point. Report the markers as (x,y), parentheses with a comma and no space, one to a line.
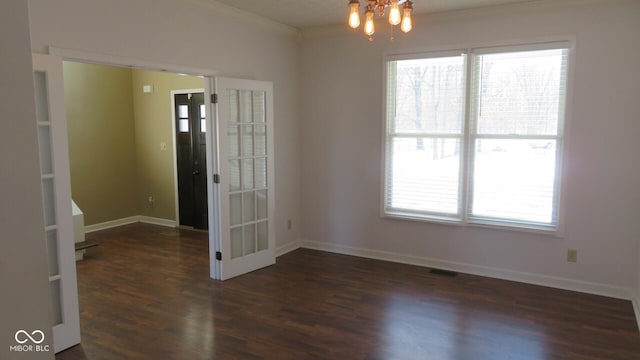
(145,293)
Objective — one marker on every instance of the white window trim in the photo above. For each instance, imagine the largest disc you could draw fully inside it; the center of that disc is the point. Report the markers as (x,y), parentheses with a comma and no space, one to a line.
(565,42)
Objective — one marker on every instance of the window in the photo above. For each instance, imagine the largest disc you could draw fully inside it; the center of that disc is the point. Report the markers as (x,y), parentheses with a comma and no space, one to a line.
(476,137)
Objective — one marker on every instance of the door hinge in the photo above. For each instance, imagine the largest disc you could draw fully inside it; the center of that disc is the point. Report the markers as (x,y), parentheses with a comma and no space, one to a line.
(214,98)
(216,178)
(218,256)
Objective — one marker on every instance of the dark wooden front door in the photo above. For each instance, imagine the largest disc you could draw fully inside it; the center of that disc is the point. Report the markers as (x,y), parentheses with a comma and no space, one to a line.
(191,157)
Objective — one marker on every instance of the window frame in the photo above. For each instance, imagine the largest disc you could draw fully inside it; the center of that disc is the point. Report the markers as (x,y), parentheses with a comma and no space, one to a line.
(470,136)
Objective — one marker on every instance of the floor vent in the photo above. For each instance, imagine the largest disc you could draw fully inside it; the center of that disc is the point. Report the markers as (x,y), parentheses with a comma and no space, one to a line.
(443,272)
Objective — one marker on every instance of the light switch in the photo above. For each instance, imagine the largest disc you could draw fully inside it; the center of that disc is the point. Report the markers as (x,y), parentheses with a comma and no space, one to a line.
(147,89)
(163,146)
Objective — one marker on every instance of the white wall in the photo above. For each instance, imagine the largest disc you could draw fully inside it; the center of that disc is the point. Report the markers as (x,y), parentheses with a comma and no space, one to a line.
(341,83)
(25,299)
(192,34)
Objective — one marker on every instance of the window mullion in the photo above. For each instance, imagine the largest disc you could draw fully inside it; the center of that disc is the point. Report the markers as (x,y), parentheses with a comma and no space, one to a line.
(466,164)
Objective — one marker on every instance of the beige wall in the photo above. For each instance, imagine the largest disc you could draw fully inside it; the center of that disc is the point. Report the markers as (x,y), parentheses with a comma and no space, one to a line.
(152,128)
(102,145)
(342,140)
(115,136)
(24,300)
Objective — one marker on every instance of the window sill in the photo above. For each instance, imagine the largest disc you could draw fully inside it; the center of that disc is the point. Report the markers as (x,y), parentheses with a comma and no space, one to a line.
(476,223)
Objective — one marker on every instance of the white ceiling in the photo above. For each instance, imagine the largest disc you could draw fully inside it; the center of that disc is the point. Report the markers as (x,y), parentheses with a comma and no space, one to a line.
(309,13)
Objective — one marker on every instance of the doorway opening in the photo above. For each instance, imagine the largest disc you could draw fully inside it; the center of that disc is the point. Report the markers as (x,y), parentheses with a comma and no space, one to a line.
(122,144)
(240,204)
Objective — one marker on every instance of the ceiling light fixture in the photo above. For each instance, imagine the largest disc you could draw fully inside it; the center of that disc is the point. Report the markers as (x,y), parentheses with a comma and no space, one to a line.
(396,17)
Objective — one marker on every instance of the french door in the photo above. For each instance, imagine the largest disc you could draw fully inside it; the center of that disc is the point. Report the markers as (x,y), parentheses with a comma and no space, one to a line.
(243,186)
(56,193)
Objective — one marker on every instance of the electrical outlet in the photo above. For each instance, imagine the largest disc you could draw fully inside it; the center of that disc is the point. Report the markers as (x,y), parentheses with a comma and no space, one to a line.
(289,224)
(572,255)
(151,200)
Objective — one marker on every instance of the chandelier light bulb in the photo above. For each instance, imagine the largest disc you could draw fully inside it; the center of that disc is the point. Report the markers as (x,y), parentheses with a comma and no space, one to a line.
(399,15)
(354,16)
(369,28)
(406,25)
(394,13)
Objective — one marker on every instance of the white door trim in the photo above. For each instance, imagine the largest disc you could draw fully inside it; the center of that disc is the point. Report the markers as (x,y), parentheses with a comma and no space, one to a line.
(57,201)
(122,61)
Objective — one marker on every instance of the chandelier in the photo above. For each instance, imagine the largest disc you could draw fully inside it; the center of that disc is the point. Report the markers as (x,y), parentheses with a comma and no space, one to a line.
(378,7)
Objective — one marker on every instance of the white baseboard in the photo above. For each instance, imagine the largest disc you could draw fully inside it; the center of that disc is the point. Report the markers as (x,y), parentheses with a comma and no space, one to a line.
(157,221)
(286,248)
(129,220)
(111,224)
(505,274)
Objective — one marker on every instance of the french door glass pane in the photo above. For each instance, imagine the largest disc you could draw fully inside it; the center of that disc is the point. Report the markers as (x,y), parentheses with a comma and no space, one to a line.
(263,238)
(234,175)
(246,107)
(425,174)
(259,106)
(247,140)
(56,301)
(44,142)
(233,106)
(248,206)
(261,172)
(42,99)
(235,208)
(260,142)
(48,198)
(261,204)
(514,179)
(236,242)
(247,174)
(249,239)
(52,250)
(233,134)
